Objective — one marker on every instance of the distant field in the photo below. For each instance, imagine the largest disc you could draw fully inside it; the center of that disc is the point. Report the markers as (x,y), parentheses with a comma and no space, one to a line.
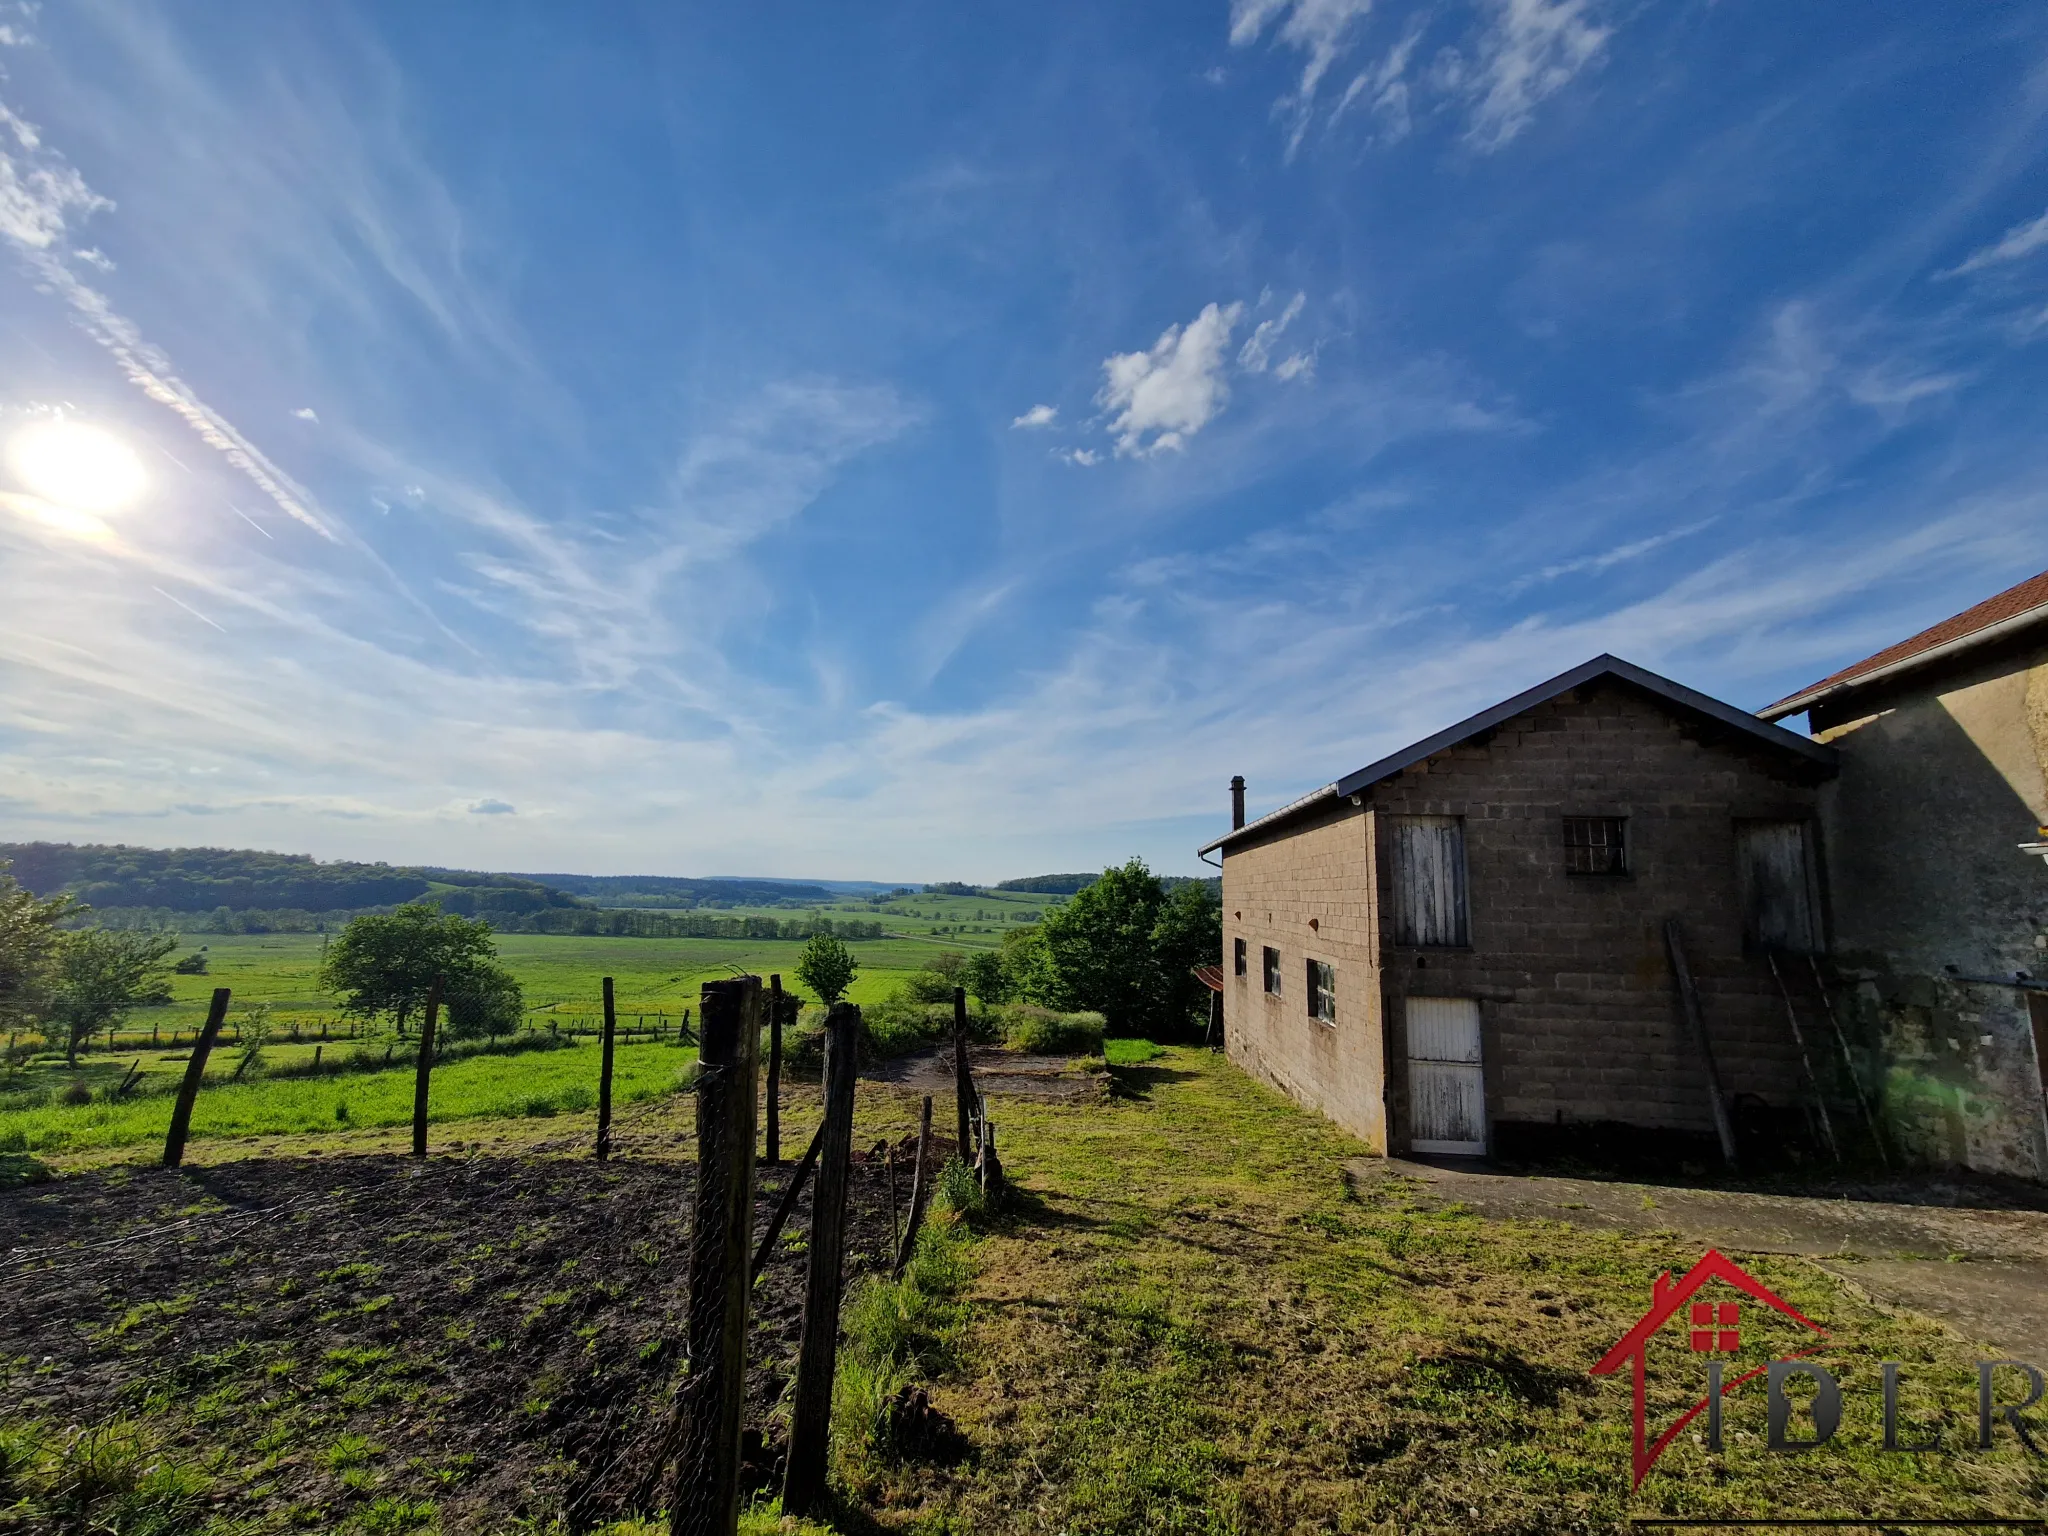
(561,974)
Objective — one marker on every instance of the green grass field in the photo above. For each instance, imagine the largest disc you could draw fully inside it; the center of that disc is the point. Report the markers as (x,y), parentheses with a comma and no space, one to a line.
(655,980)
(561,975)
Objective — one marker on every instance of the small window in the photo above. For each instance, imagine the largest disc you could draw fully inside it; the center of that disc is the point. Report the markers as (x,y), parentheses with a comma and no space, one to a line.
(1595,845)
(1322,991)
(1272,959)
(1237,956)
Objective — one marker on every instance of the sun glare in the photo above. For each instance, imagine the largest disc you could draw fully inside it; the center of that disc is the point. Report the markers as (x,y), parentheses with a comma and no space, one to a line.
(73,465)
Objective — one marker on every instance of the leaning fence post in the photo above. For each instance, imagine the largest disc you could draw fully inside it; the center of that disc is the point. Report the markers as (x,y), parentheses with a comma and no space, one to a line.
(1696,1025)
(920,1190)
(774,1069)
(195,1069)
(604,1079)
(424,1071)
(705,1500)
(963,1080)
(810,1421)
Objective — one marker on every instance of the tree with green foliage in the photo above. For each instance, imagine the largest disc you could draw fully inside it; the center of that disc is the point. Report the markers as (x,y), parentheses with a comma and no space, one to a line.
(1188,933)
(101,976)
(1122,947)
(386,962)
(29,944)
(983,975)
(827,967)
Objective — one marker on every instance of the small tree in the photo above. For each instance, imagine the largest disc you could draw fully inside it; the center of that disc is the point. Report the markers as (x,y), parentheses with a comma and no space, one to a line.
(385,962)
(1189,933)
(30,942)
(983,976)
(1098,950)
(102,975)
(827,967)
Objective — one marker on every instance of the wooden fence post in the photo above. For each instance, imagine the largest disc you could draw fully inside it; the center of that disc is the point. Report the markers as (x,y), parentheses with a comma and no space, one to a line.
(786,1204)
(705,1500)
(810,1420)
(424,1070)
(963,1080)
(775,1068)
(920,1189)
(604,1078)
(195,1069)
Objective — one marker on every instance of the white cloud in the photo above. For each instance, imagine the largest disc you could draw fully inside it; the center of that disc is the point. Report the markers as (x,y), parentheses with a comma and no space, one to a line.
(1164,396)
(1257,350)
(307,413)
(1298,365)
(1532,51)
(93,256)
(1037,416)
(489,807)
(38,190)
(1318,28)
(2020,240)
(1081,456)
(1385,89)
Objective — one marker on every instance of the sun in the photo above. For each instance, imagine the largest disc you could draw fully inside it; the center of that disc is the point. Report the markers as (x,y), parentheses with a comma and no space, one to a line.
(86,469)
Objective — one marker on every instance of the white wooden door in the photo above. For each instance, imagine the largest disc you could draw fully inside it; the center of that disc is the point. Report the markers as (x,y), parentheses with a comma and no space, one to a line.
(1446,1082)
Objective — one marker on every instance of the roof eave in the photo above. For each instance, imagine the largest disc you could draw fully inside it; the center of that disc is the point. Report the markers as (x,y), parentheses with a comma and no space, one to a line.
(1799,703)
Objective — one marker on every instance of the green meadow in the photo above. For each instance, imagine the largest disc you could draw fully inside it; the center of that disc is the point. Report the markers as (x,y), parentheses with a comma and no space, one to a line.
(654,979)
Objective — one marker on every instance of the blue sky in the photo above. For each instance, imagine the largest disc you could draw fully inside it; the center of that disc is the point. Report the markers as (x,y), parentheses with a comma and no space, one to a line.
(934,441)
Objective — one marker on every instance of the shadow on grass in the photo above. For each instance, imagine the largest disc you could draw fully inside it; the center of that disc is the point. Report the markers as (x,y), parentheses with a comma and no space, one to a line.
(1138,1082)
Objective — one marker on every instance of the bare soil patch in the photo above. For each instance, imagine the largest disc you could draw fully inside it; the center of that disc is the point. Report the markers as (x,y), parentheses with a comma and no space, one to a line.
(997,1072)
(499,1332)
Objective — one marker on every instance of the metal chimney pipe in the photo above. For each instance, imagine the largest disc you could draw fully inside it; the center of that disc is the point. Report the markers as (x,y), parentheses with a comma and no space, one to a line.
(1236,801)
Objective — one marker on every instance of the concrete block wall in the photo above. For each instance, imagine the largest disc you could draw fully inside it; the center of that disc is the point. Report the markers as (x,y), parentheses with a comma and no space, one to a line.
(1310,893)
(1580,1016)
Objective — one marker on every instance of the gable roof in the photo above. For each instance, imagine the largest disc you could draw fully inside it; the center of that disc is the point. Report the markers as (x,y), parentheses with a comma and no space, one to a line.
(1600,666)
(1995,617)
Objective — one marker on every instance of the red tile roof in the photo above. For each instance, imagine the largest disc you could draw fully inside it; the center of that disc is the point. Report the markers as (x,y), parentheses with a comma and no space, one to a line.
(2012,603)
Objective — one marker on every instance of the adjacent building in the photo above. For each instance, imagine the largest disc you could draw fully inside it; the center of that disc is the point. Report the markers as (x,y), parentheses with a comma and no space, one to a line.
(1474,944)
(1939,900)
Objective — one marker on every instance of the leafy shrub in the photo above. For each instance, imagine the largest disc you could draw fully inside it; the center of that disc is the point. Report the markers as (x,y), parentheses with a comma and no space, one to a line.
(1043,1033)
(75,1093)
(899,1024)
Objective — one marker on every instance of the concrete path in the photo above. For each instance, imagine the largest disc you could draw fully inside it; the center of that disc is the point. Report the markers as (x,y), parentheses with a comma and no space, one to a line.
(1975,1261)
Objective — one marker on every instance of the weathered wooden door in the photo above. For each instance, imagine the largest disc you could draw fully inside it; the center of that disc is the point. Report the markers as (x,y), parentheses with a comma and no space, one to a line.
(1778,901)
(1429,880)
(1446,1082)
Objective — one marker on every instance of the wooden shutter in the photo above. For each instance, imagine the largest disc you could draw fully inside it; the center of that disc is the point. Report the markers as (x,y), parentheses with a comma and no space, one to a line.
(1777,886)
(1429,880)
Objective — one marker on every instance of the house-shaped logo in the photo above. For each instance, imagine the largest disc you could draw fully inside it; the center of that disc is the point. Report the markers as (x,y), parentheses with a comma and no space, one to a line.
(1713,1328)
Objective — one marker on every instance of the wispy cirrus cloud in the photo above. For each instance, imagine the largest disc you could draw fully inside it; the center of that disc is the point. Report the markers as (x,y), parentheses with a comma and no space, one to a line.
(40,194)
(2017,243)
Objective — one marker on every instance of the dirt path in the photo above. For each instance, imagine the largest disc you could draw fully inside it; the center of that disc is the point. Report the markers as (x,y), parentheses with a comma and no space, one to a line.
(996,1071)
(1959,1255)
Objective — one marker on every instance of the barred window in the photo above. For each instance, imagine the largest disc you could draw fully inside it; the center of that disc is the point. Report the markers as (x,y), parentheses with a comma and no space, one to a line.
(1272,960)
(1237,956)
(1595,845)
(1322,991)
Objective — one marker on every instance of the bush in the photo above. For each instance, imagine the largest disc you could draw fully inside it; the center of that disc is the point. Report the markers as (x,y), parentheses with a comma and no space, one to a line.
(1044,1033)
(900,1023)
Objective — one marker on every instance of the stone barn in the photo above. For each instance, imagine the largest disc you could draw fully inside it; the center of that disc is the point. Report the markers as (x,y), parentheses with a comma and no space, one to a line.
(1938,900)
(1465,947)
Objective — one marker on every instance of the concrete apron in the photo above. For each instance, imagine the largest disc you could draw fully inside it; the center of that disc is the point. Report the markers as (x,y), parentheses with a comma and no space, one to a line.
(1981,1270)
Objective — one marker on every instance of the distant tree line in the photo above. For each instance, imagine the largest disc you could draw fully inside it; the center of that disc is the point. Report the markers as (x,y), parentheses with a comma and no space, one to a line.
(201,879)
(617,923)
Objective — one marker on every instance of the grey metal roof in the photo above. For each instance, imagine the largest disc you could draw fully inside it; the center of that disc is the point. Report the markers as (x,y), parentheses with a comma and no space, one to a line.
(1600,666)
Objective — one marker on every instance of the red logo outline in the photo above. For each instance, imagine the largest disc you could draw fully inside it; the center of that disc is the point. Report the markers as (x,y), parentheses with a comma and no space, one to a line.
(1665,1301)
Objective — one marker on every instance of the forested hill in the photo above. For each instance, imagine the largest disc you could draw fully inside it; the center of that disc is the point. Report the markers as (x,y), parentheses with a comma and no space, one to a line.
(201,879)
(120,879)
(677,891)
